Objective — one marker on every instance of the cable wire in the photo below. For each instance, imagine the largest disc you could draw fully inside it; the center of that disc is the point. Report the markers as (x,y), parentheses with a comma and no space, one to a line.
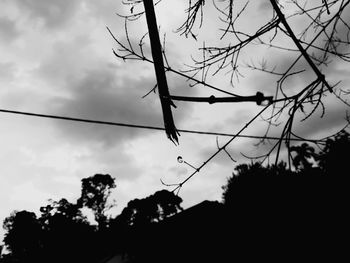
(137,126)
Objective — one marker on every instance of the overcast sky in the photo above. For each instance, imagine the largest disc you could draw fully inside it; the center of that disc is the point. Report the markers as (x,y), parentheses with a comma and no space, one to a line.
(56,58)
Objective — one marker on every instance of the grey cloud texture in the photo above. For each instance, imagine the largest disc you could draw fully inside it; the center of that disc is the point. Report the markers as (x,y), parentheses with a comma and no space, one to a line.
(265,5)
(53,13)
(99,96)
(67,59)
(7,71)
(102,9)
(333,120)
(117,162)
(8,30)
(103,94)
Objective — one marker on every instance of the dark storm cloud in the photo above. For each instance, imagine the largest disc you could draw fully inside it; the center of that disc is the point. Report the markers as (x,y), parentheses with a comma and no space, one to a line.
(8,29)
(54,13)
(103,94)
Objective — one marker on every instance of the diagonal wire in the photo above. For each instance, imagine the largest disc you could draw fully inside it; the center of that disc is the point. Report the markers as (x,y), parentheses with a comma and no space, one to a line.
(178,187)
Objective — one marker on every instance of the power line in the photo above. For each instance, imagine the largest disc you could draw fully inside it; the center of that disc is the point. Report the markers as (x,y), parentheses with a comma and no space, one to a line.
(137,126)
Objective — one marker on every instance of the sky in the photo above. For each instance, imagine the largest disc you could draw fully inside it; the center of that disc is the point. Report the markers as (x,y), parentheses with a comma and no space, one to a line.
(56,58)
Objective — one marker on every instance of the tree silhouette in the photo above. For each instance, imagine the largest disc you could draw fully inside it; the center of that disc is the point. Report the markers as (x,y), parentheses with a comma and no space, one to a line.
(61,208)
(153,208)
(306,205)
(168,203)
(94,194)
(333,159)
(24,235)
(303,153)
(138,226)
(295,209)
(62,233)
(67,234)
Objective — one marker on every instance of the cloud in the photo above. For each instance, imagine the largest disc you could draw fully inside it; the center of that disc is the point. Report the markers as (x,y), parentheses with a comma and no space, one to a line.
(67,59)
(281,60)
(53,13)
(105,9)
(98,96)
(179,172)
(7,71)
(8,30)
(115,161)
(316,127)
(265,6)
(106,95)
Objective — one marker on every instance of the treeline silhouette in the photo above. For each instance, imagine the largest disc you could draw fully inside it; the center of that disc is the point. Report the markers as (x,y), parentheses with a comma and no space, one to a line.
(267,212)
(294,215)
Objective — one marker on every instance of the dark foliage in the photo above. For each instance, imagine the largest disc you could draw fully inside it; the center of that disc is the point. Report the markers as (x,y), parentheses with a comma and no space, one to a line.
(151,209)
(267,213)
(24,236)
(136,226)
(301,212)
(304,153)
(94,194)
(66,232)
(63,234)
(194,235)
(333,159)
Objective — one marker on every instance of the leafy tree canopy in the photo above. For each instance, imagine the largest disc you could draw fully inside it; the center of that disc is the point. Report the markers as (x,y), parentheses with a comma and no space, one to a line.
(153,208)
(276,187)
(23,233)
(94,194)
(61,208)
